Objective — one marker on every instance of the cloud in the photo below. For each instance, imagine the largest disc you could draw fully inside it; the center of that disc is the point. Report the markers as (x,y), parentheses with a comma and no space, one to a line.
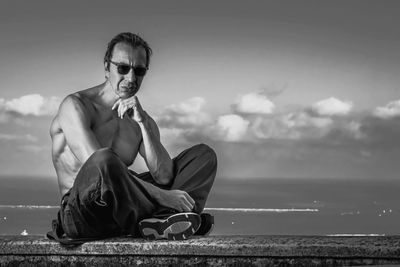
(176,135)
(354,128)
(331,107)
(391,110)
(253,103)
(14,137)
(274,90)
(33,148)
(192,105)
(231,128)
(33,104)
(303,120)
(188,113)
(295,125)
(188,122)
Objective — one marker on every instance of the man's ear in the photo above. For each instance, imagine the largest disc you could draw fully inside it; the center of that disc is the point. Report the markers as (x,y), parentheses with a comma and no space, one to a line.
(106,70)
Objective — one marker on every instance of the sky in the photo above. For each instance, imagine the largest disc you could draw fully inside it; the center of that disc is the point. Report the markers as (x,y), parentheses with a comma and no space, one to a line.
(291,89)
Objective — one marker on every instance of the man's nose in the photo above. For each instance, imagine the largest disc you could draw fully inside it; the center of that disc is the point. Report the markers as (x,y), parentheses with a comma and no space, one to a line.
(130,76)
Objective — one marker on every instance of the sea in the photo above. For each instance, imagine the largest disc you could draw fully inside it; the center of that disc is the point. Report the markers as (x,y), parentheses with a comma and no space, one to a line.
(245,206)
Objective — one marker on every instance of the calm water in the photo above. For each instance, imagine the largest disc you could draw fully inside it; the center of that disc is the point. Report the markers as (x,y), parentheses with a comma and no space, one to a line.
(251,206)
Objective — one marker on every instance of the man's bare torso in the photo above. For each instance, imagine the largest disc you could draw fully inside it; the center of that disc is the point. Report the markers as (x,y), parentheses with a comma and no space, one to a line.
(122,135)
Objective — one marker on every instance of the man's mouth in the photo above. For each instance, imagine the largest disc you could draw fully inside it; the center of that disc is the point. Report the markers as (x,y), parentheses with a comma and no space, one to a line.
(128,88)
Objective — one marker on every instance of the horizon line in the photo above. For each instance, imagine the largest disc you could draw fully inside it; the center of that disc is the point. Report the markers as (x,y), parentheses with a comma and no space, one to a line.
(208,209)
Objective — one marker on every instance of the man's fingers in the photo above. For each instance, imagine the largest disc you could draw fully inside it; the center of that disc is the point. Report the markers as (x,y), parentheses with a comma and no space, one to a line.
(116,104)
(121,108)
(121,111)
(186,208)
(189,204)
(190,199)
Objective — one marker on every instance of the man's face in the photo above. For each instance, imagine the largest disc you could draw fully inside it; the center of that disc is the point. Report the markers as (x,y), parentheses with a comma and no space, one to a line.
(126,85)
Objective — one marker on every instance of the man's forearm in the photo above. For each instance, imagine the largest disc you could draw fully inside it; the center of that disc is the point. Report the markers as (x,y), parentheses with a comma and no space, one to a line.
(155,192)
(157,158)
(177,200)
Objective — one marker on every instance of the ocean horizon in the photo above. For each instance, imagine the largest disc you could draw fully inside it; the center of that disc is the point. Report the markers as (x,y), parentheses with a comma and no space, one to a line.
(252,206)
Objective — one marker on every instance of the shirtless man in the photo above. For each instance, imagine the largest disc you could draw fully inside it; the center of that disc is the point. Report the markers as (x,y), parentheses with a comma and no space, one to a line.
(97,133)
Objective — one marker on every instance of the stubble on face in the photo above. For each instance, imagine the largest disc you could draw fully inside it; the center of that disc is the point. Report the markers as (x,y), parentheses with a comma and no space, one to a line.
(126,86)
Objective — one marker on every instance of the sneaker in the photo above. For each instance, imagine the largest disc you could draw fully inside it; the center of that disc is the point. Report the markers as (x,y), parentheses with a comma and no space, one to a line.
(207,224)
(179,226)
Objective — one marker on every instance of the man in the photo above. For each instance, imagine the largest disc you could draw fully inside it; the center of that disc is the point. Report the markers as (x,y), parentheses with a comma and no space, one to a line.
(97,134)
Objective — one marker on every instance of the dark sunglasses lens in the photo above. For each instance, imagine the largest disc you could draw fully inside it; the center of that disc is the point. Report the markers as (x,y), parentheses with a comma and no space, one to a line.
(140,71)
(123,69)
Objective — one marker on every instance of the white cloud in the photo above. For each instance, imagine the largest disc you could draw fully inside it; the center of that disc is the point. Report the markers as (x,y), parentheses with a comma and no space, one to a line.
(272,128)
(302,119)
(13,137)
(173,135)
(332,106)
(392,109)
(192,105)
(185,114)
(253,103)
(231,128)
(291,126)
(33,104)
(354,128)
(186,122)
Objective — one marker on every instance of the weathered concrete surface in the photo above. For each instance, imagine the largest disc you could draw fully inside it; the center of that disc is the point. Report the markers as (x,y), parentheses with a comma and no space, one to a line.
(209,251)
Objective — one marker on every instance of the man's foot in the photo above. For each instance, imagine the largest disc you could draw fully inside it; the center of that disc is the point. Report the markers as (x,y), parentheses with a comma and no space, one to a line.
(207,224)
(179,226)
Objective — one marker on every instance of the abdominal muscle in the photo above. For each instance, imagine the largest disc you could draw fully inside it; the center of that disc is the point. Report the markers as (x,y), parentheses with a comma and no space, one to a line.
(65,163)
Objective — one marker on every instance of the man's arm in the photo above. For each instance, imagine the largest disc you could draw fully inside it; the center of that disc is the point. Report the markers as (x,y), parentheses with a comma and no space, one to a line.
(176,199)
(75,123)
(156,156)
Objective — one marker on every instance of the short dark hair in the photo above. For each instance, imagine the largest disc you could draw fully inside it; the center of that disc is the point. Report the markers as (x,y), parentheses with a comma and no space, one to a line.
(131,39)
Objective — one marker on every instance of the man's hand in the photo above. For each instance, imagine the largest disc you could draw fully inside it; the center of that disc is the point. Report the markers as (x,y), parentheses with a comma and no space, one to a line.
(123,105)
(176,199)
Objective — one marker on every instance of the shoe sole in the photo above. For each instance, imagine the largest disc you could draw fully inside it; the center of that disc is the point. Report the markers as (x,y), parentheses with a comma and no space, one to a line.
(179,226)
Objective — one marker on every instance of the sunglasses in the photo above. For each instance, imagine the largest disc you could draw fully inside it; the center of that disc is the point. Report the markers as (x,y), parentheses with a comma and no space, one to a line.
(123,69)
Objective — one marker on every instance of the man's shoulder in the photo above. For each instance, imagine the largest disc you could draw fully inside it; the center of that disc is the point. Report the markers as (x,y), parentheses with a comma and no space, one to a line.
(76,101)
(71,106)
(76,106)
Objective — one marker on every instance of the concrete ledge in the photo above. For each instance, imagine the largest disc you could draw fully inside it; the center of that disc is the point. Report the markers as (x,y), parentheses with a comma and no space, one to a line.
(213,251)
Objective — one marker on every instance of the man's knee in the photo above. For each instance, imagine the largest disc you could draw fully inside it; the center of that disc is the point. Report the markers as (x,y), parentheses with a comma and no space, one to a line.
(208,153)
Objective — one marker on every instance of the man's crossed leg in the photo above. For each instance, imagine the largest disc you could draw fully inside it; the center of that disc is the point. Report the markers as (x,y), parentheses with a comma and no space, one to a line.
(108,199)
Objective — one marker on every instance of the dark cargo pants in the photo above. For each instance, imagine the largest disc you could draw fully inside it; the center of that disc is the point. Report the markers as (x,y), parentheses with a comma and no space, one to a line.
(108,199)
